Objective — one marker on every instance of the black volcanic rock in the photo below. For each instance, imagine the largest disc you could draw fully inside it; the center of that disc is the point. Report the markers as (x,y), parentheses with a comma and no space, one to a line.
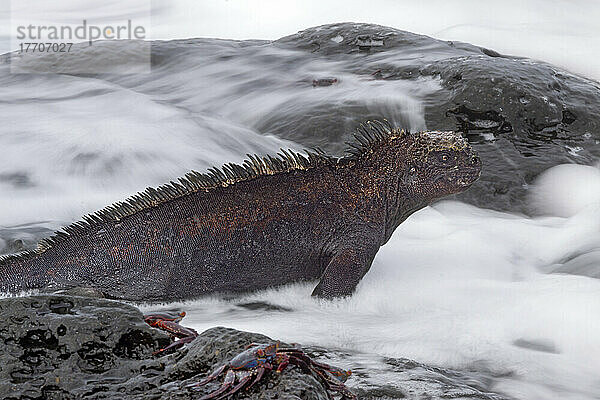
(68,347)
(63,347)
(59,346)
(522,117)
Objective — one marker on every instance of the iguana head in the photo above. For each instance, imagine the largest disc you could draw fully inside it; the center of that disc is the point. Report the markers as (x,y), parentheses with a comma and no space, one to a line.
(439,164)
(410,170)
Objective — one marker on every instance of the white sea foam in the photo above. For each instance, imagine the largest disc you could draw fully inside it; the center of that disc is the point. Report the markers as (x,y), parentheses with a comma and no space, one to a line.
(566,189)
(81,144)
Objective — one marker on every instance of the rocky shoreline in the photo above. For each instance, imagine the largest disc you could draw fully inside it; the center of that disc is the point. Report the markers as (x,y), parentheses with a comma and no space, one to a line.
(60,346)
(71,347)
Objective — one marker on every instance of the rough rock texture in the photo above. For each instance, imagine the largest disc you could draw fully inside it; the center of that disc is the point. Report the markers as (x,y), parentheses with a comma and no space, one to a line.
(218,345)
(69,347)
(62,347)
(59,346)
(523,117)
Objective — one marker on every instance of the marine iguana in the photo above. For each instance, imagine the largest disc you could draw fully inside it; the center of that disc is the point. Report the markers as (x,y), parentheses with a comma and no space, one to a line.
(267,222)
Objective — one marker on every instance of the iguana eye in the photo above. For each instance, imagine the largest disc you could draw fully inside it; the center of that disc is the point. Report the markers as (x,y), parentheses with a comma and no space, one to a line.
(412,171)
(443,157)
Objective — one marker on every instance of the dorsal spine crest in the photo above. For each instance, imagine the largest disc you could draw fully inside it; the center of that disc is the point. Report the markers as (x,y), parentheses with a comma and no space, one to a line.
(366,139)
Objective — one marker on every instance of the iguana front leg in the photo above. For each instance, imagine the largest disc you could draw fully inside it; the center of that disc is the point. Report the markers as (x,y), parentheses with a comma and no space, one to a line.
(344,271)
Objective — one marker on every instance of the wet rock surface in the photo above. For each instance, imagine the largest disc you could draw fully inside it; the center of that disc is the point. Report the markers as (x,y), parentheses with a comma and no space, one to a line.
(70,347)
(58,346)
(63,347)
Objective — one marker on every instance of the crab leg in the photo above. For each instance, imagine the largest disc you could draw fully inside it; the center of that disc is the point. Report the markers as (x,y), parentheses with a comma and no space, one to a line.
(246,376)
(259,374)
(333,383)
(211,377)
(304,366)
(283,360)
(169,323)
(347,394)
(339,373)
(175,345)
(300,354)
(227,383)
(330,376)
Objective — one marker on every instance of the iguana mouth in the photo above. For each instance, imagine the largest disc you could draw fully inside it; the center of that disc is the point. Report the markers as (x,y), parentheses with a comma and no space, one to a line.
(462,182)
(468,177)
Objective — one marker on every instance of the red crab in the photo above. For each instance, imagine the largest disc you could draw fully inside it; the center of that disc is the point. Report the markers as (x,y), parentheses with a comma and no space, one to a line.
(170,324)
(248,367)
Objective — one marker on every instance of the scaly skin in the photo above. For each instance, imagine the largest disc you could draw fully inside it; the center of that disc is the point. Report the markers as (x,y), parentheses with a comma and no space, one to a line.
(320,219)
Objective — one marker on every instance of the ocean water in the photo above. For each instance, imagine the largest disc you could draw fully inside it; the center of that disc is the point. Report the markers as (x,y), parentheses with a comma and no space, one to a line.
(515,297)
